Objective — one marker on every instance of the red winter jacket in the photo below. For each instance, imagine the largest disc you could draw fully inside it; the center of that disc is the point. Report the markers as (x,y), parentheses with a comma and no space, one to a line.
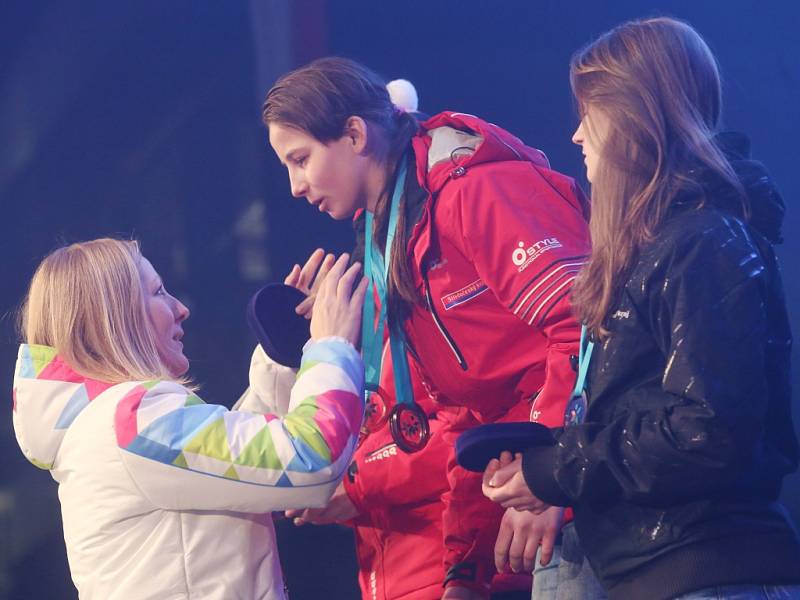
(499,242)
(398,532)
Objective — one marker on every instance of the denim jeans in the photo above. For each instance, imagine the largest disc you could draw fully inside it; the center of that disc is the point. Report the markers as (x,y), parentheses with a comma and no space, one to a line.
(568,576)
(545,578)
(745,592)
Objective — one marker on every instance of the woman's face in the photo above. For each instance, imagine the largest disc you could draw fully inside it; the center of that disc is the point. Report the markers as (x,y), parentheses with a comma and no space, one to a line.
(330,176)
(166,315)
(590,135)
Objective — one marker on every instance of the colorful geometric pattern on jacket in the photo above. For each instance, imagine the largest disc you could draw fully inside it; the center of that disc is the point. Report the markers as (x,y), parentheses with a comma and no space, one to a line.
(42,362)
(69,393)
(165,422)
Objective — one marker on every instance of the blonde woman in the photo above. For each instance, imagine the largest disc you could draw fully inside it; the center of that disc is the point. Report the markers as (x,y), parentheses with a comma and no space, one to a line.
(162,495)
(681,429)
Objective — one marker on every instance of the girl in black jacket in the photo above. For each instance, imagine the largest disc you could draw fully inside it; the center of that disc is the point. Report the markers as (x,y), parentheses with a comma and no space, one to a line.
(680,429)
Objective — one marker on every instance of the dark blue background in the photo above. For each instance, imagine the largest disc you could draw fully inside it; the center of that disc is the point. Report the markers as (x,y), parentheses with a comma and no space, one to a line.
(143,118)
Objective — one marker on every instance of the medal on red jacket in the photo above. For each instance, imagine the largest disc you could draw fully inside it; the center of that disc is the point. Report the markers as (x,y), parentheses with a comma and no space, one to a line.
(408,423)
(409,427)
(376,411)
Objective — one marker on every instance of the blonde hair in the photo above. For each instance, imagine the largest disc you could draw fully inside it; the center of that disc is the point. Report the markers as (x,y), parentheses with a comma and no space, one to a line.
(86,301)
(657,84)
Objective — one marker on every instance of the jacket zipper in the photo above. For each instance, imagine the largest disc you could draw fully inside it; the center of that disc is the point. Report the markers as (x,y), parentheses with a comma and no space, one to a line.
(440,326)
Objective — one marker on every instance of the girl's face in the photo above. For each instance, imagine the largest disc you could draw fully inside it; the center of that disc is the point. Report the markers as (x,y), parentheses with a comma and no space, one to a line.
(166,315)
(590,135)
(330,176)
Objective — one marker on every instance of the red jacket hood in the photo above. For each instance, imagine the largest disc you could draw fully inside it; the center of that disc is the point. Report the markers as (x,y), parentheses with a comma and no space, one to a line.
(496,145)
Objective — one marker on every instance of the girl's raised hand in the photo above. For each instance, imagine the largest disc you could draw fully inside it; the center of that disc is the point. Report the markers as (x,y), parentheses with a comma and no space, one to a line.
(337,309)
(309,278)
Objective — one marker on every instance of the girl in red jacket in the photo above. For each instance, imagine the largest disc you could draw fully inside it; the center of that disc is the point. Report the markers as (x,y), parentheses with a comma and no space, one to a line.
(485,241)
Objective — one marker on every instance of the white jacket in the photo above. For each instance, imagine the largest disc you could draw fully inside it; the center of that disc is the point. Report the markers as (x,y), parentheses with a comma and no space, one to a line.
(166,497)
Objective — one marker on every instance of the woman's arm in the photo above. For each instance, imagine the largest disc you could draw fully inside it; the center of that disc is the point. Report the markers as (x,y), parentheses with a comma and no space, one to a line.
(185,454)
(704,423)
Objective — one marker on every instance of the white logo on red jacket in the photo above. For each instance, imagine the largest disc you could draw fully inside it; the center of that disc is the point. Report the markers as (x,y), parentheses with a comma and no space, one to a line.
(373,584)
(522,257)
(381,453)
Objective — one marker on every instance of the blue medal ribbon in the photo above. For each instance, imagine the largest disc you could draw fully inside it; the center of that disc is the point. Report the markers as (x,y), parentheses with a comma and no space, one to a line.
(376,268)
(577,405)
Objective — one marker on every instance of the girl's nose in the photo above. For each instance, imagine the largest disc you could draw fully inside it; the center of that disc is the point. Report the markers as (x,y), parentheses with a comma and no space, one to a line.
(577,137)
(299,187)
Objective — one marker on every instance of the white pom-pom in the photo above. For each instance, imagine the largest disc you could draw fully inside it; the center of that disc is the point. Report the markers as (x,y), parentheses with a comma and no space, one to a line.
(403,95)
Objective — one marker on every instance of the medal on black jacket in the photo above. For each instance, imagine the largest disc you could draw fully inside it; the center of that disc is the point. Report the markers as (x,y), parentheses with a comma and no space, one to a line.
(407,421)
(578,403)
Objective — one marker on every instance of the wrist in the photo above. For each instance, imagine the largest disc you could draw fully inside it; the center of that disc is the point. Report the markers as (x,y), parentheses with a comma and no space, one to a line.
(538,464)
(328,339)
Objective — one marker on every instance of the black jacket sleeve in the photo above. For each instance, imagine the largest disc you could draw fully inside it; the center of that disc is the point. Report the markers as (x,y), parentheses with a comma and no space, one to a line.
(696,432)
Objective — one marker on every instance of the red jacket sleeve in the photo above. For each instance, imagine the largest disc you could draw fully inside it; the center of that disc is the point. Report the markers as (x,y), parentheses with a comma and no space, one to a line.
(382,474)
(470,520)
(528,239)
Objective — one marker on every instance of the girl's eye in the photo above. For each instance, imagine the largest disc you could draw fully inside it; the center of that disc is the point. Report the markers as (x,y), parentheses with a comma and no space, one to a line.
(301,162)
(161,291)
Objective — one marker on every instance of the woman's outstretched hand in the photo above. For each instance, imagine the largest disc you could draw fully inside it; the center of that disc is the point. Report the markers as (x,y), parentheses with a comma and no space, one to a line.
(337,309)
(309,278)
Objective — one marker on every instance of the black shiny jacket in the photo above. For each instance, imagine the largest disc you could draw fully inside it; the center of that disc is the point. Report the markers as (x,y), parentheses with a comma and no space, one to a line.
(674,475)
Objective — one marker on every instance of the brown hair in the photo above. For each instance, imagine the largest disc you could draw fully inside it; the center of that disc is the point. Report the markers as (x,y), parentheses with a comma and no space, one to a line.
(86,301)
(318,99)
(658,85)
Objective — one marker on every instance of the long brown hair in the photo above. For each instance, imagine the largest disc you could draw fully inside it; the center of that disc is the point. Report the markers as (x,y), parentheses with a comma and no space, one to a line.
(318,99)
(657,84)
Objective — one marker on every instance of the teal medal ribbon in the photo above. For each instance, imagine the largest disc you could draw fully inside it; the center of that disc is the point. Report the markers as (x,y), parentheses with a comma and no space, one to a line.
(578,402)
(408,422)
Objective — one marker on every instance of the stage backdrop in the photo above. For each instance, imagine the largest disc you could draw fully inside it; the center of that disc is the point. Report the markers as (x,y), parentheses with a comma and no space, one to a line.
(143,119)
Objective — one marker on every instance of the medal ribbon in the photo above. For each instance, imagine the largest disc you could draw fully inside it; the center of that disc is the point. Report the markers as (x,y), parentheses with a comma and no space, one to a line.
(584,358)
(376,268)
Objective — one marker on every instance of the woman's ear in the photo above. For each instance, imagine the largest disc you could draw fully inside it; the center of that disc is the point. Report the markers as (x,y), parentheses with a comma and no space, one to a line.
(356,133)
